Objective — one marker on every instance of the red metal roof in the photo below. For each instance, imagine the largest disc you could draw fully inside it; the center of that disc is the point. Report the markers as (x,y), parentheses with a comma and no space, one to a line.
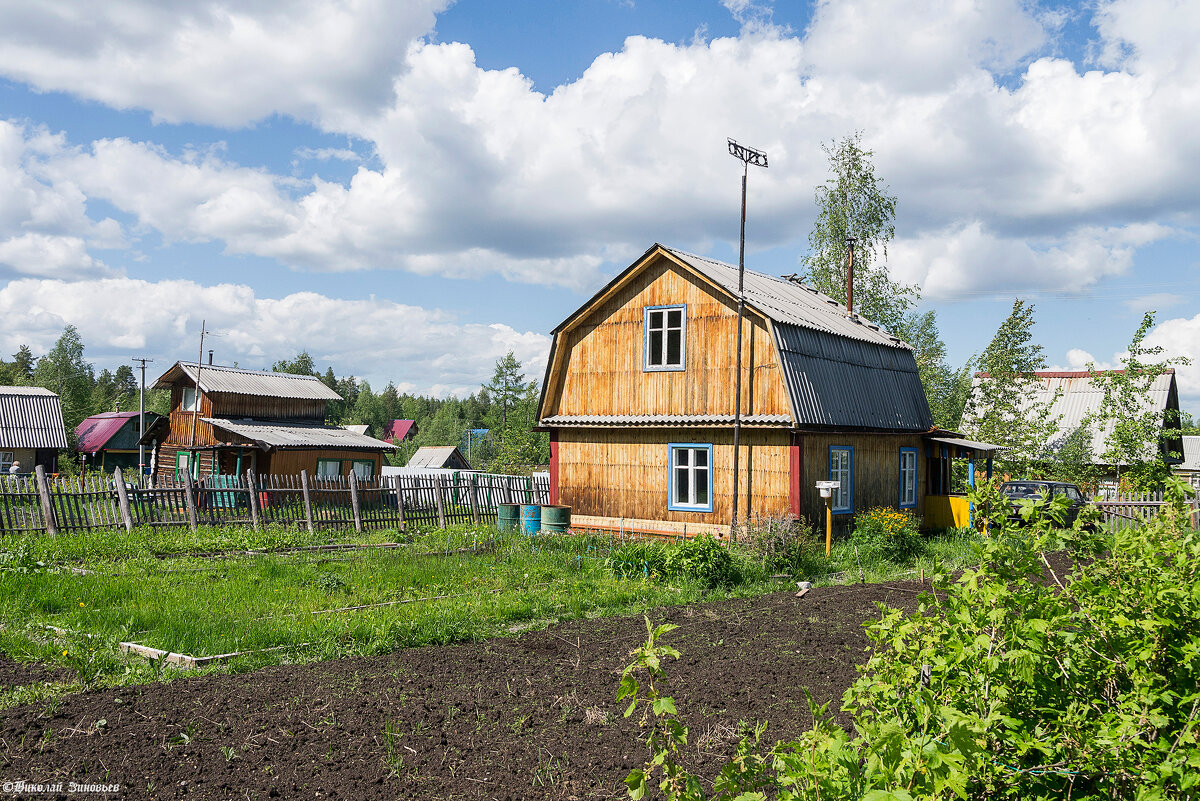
(399,429)
(95,431)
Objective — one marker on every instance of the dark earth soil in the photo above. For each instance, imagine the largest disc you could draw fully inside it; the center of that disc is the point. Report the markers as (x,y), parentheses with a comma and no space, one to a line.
(16,674)
(533,716)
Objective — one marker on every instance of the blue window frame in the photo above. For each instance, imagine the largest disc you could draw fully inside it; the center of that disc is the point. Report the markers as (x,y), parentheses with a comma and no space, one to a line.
(908,478)
(664,338)
(841,469)
(689,477)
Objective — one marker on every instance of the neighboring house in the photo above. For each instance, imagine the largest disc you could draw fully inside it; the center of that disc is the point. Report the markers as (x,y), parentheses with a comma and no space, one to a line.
(357,428)
(400,430)
(273,423)
(31,428)
(1076,400)
(110,440)
(638,398)
(1189,468)
(448,457)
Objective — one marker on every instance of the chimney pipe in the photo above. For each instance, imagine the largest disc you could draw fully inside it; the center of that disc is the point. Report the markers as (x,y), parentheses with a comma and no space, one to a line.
(849,278)
(210,356)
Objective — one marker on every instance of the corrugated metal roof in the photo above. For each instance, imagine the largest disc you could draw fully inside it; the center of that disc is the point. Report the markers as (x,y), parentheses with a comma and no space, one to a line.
(1191,454)
(1078,397)
(357,429)
(790,302)
(664,420)
(985,447)
(31,417)
(235,381)
(399,429)
(297,435)
(437,456)
(847,383)
(94,432)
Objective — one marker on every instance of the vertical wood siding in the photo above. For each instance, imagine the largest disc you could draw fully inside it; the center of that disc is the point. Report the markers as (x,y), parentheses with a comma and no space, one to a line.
(623,472)
(876,467)
(602,355)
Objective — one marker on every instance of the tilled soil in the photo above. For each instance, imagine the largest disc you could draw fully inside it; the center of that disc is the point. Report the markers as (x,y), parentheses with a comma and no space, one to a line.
(533,716)
(14,673)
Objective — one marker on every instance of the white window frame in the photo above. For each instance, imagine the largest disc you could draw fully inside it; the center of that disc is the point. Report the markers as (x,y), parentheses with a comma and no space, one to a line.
(192,405)
(908,478)
(683,456)
(337,463)
(841,469)
(648,353)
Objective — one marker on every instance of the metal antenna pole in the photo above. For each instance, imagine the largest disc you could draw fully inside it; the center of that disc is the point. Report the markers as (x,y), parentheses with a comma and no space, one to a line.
(748,156)
(850,277)
(142,415)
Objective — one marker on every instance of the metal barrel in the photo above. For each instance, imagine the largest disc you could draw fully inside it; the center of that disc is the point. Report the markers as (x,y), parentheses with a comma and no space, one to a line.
(556,518)
(508,516)
(531,518)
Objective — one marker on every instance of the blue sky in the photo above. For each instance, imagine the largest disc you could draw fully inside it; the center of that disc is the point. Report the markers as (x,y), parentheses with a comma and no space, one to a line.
(410,191)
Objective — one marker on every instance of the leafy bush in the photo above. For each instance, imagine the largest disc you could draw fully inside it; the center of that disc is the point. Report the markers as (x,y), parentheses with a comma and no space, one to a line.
(888,533)
(330,583)
(1012,682)
(787,545)
(637,559)
(23,559)
(705,559)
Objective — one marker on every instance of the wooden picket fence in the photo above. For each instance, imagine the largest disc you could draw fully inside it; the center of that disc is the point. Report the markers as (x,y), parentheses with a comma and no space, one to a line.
(1122,510)
(37,502)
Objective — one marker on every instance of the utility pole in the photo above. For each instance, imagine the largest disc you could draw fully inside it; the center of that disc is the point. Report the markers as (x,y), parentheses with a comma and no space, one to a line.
(141,415)
(193,468)
(748,156)
(850,276)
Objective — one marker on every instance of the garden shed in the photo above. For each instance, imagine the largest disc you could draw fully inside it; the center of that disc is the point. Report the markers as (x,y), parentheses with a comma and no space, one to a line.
(110,440)
(32,431)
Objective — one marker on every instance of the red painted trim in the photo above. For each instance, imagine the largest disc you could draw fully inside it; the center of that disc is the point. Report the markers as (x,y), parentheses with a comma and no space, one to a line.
(796,475)
(1077,373)
(554,497)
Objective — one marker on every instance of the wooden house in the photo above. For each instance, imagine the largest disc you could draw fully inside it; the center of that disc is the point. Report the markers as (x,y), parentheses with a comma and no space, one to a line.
(110,440)
(638,398)
(32,431)
(226,420)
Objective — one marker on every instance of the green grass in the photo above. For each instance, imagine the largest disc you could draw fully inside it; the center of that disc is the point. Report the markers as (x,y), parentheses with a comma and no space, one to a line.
(148,587)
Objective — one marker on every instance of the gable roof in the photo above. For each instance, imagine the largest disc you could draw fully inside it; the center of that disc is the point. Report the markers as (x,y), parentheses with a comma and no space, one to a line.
(31,417)
(260,383)
(399,429)
(94,432)
(1078,397)
(1191,454)
(439,456)
(840,370)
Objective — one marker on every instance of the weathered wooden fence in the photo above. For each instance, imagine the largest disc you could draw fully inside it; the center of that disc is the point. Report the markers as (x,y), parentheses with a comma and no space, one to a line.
(37,502)
(1122,510)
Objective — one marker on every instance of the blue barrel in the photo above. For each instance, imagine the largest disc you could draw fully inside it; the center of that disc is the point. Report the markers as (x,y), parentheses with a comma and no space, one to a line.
(508,516)
(531,518)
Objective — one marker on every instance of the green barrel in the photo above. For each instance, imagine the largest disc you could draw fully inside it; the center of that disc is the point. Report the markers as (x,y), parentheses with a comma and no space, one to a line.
(556,518)
(508,516)
(531,518)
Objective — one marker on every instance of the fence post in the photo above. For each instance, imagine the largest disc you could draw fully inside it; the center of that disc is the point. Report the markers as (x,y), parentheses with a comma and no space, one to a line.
(354,502)
(307,500)
(122,499)
(399,502)
(441,504)
(252,492)
(39,476)
(474,498)
(189,496)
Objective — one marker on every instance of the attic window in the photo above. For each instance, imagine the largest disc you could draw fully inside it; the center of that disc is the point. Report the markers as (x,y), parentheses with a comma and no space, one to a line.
(190,400)
(665,338)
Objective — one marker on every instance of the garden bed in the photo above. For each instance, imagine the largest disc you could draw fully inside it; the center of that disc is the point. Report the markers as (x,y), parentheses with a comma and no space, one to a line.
(529,716)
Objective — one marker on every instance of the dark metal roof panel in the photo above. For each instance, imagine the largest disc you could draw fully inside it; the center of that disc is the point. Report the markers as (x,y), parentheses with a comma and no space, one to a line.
(836,381)
(31,417)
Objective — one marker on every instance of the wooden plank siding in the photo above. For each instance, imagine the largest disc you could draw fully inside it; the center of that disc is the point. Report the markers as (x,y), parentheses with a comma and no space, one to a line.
(622,473)
(291,461)
(875,468)
(603,355)
(222,404)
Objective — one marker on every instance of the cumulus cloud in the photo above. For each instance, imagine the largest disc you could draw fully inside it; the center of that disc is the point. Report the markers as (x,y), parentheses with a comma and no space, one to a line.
(1181,337)
(421,350)
(215,61)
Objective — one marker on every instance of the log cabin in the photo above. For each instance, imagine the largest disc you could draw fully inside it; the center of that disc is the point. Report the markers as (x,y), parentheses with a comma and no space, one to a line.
(638,397)
(225,420)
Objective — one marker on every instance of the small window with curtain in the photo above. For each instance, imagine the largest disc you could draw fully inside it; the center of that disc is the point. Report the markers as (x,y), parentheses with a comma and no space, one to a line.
(363,468)
(841,469)
(908,478)
(689,482)
(191,400)
(329,467)
(665,338)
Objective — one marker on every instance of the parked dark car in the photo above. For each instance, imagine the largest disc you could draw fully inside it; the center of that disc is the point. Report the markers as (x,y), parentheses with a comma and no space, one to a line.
(1017,491)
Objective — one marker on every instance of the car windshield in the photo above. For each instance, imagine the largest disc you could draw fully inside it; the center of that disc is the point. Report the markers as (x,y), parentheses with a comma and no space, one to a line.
(1072,494)
(1019,490)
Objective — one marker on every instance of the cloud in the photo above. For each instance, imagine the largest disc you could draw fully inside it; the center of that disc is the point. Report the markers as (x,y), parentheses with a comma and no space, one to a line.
(1180,337)
(213,61)
(1155,302)
(421,350)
